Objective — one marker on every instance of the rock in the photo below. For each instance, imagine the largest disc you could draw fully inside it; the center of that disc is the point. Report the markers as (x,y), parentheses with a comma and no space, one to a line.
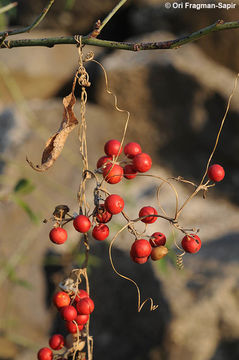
(8,349)
(204,314)
(178,99)
(77,17)
(24,76)
(39,76)
(13,132)
(150,15)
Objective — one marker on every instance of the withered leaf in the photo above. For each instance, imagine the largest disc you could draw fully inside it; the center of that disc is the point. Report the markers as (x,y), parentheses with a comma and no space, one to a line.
(55,143)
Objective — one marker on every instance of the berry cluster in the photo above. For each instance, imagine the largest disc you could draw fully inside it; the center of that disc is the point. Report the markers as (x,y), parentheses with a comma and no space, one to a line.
(135,162)
(75,310)
(114,204)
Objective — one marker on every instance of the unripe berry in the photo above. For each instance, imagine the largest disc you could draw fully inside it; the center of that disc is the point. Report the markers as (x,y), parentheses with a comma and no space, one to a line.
(158,252)
(56,342)
(129,172)
(142,162)
(140,248)
(102,215)
(113,147)
(114,204)
(157,239)
(148,210)
(69,313)
(85,306)
(58,235)
(191,243)
(216,173)
(103,160)
(45,354)
(132,149)
(61,299)
(82,223)
(113,173)
(100,232)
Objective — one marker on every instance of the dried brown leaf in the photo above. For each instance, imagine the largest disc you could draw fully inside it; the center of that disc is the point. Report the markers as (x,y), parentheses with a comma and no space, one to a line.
(55,143)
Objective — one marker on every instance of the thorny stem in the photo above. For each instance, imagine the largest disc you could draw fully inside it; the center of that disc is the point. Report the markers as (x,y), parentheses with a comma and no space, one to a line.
(220,25)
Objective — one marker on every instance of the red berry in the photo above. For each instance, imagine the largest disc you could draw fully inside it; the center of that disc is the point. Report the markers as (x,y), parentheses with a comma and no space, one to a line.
(140,249)
(216,173)
(45,354)
(191,243)
(142,162)
(82,319)
(61,299)
(114,204)
(157,239)
(82,223)
(72,327)
(129,172)
(69,313)
(103,160)
(138,260)
(102,215)
(56,342)
(148,210)
(113,147)
(113,173)
(100,232)
(58,235)
(81,295)
(132,149)
(85,306)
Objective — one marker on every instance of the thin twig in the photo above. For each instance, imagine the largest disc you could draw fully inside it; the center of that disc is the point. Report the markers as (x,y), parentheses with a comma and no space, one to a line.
(220,129)
(202,186)
(102,24)
(157,45)
(8,7)
(35,23)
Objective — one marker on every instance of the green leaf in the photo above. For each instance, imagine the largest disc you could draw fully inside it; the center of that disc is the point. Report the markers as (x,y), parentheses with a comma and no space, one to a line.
(24,187)
(33,217)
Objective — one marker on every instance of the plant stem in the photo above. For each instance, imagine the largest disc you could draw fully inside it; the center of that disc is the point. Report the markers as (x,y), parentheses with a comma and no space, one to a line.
(8,7)
(170,44)
(35,23)
(111,14)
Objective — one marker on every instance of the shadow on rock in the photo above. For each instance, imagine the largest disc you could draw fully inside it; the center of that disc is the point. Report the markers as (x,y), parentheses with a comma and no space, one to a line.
(119,331)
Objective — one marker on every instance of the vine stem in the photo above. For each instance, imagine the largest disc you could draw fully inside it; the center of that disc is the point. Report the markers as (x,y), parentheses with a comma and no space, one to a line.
(220,25)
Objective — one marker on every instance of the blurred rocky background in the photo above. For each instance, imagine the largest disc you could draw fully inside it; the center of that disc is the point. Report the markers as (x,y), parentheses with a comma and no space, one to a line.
(177,99)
